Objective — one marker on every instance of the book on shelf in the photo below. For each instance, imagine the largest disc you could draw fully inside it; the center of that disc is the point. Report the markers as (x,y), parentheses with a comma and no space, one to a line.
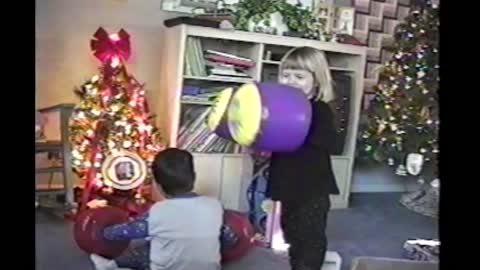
(202,90)
(228,55)
(195,136)
(199,94)
(193,99)
(200,64)
(231,61)
(194,118)
(228,73)
(194,58)
(224,69)
(213,64)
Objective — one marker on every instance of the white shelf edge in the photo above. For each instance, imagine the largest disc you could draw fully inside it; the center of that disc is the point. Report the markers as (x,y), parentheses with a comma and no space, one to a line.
(214,79)
(206,103)
(340,157)
(342,69)
(269,62)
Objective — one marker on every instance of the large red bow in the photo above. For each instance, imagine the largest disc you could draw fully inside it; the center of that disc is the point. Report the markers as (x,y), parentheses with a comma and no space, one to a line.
(106,47)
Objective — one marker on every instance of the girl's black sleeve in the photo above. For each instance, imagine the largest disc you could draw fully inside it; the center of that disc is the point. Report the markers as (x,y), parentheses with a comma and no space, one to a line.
(322,132)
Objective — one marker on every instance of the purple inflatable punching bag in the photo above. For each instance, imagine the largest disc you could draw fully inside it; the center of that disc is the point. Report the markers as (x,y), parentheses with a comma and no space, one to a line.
(218,118)
(269,117)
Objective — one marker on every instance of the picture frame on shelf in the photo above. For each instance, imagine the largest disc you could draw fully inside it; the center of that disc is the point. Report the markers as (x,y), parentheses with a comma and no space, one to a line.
(323,11)
(323,3)
(344,20)
(323,15)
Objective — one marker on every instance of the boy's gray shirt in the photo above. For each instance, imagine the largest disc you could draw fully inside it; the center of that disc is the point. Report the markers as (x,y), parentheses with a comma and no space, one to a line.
(185,234)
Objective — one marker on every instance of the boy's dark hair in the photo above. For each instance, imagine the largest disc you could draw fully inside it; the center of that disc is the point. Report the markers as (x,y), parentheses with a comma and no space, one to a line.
(173,170)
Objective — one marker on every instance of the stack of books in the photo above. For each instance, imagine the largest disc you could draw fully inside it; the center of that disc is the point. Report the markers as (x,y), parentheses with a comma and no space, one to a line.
(194,58)
(195,136)
(221,64)
(214,64)
(202,95)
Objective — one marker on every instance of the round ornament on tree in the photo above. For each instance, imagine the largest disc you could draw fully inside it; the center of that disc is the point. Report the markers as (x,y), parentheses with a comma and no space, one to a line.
(414,163)
(124,170)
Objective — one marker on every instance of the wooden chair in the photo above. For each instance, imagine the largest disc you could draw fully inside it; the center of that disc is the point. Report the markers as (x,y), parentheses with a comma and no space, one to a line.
(56,143)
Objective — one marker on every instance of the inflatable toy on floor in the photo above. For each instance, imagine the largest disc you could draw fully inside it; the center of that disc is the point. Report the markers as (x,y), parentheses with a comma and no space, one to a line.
(237,233)
(239,225)
(263,116)
(88,230)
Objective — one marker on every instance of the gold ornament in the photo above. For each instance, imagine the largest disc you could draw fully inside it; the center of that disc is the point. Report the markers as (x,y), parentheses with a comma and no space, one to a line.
(425,113)
(381,127)
(124,170)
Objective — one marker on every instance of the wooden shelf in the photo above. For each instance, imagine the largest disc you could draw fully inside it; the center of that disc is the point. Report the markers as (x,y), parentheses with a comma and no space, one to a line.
(48,146)
(49,170)
(269,62)
(219,79)
(50,189)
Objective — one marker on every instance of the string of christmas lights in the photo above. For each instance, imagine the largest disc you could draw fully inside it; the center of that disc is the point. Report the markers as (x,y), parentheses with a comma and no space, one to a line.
(112,114)
(403,116)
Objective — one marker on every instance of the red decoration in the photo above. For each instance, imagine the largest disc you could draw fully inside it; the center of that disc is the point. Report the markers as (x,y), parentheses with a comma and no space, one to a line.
(105,47)
(88,231)
(244,230)
(92,172)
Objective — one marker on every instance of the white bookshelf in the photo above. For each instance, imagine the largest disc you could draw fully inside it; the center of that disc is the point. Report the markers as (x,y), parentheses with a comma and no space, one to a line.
(218,79)
(277,63)
(227,176)
(270,62)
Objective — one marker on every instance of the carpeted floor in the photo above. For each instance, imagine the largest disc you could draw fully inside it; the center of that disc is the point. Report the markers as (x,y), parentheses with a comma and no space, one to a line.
(375,225)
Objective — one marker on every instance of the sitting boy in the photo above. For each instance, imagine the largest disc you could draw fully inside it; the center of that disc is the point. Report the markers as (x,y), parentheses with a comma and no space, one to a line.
(183,230)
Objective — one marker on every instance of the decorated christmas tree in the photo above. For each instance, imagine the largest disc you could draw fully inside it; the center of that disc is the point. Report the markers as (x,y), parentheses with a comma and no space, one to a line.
(402,121)
(111,132)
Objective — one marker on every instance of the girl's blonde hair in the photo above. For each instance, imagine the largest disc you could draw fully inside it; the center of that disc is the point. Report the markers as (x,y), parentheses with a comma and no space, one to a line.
(314,61)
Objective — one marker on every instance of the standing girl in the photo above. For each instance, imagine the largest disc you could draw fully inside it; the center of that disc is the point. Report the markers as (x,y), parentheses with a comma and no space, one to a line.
(303,180)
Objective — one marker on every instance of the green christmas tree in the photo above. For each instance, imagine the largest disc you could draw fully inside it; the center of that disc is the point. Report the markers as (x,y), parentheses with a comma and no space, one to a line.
(403,116)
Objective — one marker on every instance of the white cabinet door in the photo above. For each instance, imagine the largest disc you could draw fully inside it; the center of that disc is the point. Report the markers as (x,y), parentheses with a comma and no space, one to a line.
(236,176)
(208,169)
(231,182)
(225,177)
(340,170)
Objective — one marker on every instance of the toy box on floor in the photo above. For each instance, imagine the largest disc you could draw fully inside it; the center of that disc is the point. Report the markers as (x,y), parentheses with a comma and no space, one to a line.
(422,250)
(372,263)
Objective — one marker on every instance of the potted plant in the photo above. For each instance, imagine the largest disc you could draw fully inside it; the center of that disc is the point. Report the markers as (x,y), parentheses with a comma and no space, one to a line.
(277,17)
(260,16)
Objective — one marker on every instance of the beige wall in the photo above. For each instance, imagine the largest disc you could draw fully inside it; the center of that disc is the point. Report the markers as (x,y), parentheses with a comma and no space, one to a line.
(63,32)
(62,53)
